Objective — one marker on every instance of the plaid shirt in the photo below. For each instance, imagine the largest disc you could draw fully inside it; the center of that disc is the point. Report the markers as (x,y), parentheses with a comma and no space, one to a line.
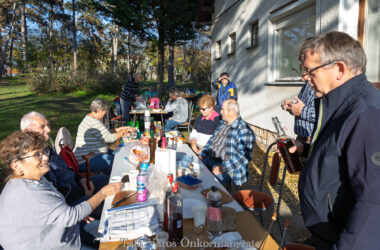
(239,146)
(304,124)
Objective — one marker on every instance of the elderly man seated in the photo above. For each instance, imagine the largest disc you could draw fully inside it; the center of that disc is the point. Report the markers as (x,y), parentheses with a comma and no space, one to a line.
(180,109)
(229,150)
(72,186)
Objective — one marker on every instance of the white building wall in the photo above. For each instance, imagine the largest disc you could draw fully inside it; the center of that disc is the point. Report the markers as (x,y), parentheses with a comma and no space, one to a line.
(250,68)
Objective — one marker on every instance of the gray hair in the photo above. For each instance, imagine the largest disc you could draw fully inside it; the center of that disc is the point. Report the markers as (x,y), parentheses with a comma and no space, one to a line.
(232,105)
(27,119)
(176,93)
(338,46)
(137,75)
(99,104)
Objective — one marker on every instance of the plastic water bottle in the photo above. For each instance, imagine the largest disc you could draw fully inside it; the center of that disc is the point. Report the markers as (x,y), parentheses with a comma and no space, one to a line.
(214,213)
(146,121)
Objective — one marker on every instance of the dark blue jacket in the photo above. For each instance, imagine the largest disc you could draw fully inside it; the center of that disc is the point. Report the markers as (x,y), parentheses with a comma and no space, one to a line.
(339,187)
(229,92)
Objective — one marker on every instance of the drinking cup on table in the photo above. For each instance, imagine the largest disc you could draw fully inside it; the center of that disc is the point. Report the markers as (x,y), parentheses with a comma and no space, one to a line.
(125,181)
(115,179)
(133,179)
(162,237)
(199,215)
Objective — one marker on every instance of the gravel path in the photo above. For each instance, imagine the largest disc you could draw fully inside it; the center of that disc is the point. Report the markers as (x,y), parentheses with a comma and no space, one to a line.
(289,209)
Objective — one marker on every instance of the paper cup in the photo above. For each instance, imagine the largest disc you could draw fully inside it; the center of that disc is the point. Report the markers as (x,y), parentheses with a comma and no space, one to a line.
(115,179)
(199,215)
(133,179)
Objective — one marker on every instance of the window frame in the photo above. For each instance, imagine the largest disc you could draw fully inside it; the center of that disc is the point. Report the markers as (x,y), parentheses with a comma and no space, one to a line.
(218,49)
(232,44)
(253,34)
(278,20)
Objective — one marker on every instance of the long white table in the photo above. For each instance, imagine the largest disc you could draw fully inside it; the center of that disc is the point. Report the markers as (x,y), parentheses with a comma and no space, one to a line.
(121,165)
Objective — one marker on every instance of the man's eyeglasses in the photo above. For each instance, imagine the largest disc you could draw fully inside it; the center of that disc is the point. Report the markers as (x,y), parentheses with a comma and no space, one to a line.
(308,71)
(38,155)
(203,109)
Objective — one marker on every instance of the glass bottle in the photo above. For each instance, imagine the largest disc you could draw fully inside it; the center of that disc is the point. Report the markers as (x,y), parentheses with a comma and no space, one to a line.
(146,122)
(214,213)
(292,160)
(152,149)
(175,223)
(168,192)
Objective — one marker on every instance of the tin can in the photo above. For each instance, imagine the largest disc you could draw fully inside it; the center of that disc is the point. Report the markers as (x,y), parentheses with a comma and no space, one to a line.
(141,187)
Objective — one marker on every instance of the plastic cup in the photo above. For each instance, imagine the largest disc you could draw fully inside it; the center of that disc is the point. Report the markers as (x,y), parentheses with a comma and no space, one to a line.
(162,237)
(115,179)
(199,215)
(133,179)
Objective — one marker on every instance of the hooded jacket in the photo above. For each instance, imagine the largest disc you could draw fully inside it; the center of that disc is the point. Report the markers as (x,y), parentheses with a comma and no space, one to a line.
(339,187)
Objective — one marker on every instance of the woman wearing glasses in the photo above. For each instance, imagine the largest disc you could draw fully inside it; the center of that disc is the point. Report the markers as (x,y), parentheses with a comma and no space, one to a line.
(205,124)
(34,215)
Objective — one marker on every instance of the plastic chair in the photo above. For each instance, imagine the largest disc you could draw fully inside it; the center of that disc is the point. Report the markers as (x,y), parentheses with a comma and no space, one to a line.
(187,124)
(258,201)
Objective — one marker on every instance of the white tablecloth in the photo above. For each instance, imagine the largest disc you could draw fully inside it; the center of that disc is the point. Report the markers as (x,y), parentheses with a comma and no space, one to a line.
(121,165)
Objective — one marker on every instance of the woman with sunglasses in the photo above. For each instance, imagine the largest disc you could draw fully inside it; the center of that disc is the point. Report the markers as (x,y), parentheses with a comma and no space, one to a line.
(205,124)
(33,214)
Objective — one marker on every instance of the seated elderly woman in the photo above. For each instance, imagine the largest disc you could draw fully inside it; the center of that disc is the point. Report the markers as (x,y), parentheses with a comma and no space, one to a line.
(93,136)
(205,124)
(34,215)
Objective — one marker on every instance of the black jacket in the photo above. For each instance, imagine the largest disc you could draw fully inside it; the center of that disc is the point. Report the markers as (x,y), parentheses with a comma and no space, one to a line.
(339,187)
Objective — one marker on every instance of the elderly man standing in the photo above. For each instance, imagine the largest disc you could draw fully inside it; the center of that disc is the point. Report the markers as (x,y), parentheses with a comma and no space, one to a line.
(229,150)
(339,186)
(129,94)
(72,186)
(303,110)
(180,109)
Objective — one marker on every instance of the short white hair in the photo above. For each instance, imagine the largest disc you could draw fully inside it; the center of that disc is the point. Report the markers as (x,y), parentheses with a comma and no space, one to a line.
(232,105)
(27,119)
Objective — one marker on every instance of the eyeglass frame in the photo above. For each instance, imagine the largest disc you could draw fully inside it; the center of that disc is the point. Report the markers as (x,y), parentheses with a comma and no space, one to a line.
(203,109)
(39,155)
(308,71)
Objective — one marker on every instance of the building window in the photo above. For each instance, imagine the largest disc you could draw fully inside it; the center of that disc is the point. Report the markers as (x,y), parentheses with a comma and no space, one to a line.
(289,31)
(232,43)
(253,39)
(372,45)
(218,49)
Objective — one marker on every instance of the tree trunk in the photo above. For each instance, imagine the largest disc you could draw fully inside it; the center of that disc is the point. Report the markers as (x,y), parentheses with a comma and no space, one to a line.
(115,41)
(51,36)
(75,49)
(184,73)
(161,58)
(10,63)
(24,35)
(171,65)
(3,58)
(129,56)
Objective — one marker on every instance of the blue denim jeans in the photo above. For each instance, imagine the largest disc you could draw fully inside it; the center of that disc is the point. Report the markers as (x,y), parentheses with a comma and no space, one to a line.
(126,106)
(88,232)
(100,163)
(171,124)
(223,178)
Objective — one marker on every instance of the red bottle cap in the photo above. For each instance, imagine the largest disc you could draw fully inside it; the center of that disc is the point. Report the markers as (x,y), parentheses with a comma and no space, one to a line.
(163,144)
(170,178)
(175,187)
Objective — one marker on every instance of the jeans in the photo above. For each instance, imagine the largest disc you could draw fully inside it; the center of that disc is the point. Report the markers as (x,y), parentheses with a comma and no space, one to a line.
(126,106)
(170,124)
(77,194)
(100,163)
(223,178)
(88,232)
